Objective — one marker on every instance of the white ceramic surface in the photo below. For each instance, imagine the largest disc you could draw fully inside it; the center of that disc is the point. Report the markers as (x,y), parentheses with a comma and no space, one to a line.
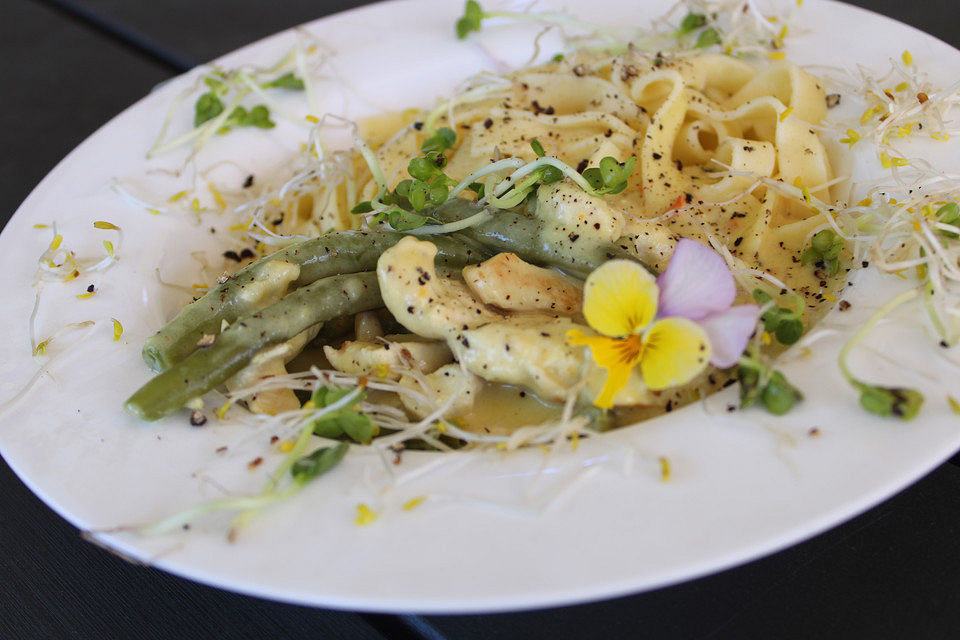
(497,532)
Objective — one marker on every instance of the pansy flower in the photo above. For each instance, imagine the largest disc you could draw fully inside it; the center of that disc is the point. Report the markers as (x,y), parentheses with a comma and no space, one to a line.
(670,326)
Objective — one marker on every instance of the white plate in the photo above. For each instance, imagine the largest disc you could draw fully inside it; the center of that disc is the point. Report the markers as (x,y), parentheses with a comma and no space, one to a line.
(498,532)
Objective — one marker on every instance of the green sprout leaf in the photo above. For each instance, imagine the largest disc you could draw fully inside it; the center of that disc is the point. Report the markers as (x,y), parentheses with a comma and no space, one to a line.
(347,421)
(320,461)
(259,116)
(286,81)
(824,251)
(208,107)
(362,207)
(707,38)
(537,148)
(402,220)
(778,396)
(949,214)
(782,322)
(442,140)
(901,402)
(471,19)
(691,22)
(557,57)
(216,85)
(770,388)
(610,176)
(549,175)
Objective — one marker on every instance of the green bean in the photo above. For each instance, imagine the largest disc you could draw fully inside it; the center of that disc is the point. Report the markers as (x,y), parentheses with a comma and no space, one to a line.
(233,349)
(508,231)
(334,253)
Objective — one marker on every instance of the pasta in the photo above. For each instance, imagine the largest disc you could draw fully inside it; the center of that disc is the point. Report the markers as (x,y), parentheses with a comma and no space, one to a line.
(710,149)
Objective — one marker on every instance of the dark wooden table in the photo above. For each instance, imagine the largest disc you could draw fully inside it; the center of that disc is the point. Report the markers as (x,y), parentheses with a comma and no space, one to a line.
(68,66)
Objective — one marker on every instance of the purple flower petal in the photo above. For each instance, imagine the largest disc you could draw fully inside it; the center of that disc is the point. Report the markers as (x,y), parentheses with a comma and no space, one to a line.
(729,331)
(696,283)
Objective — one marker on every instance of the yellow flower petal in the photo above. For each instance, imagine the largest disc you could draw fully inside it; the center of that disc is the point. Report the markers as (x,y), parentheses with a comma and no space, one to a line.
(620,298)
(617,355)
(674,351)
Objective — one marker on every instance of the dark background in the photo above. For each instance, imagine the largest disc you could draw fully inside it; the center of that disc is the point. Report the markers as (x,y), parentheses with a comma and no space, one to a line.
(70,65)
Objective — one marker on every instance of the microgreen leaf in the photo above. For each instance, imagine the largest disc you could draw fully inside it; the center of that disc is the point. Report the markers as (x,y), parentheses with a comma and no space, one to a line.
(824,251)
(949,214)
(557,57)
(692,21)
(901,402)
(217,86)
(782,322)
(347,421)
(422,168)
(258,116)
(707,38)
(286,81)
(789,331)
(477,188)
(442,140)
(417,195)
(779,396)
(208,107)
(320,461)
(402,220)
(771,388)
(362,207)
(610,176)
(537,148)
(471,19)
(549,175)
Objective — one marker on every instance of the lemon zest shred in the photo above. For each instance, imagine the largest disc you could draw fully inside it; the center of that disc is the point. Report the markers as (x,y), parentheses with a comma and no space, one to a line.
(785,113)
(365,515)
(102,224)
(117,329)
(664,468)
(907,57)
(41,348)
(286,446)
(777,55)
(827,296)
(178,196)
(413,503)
(218,198)
(85,295)
(954,404)
(222,411)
